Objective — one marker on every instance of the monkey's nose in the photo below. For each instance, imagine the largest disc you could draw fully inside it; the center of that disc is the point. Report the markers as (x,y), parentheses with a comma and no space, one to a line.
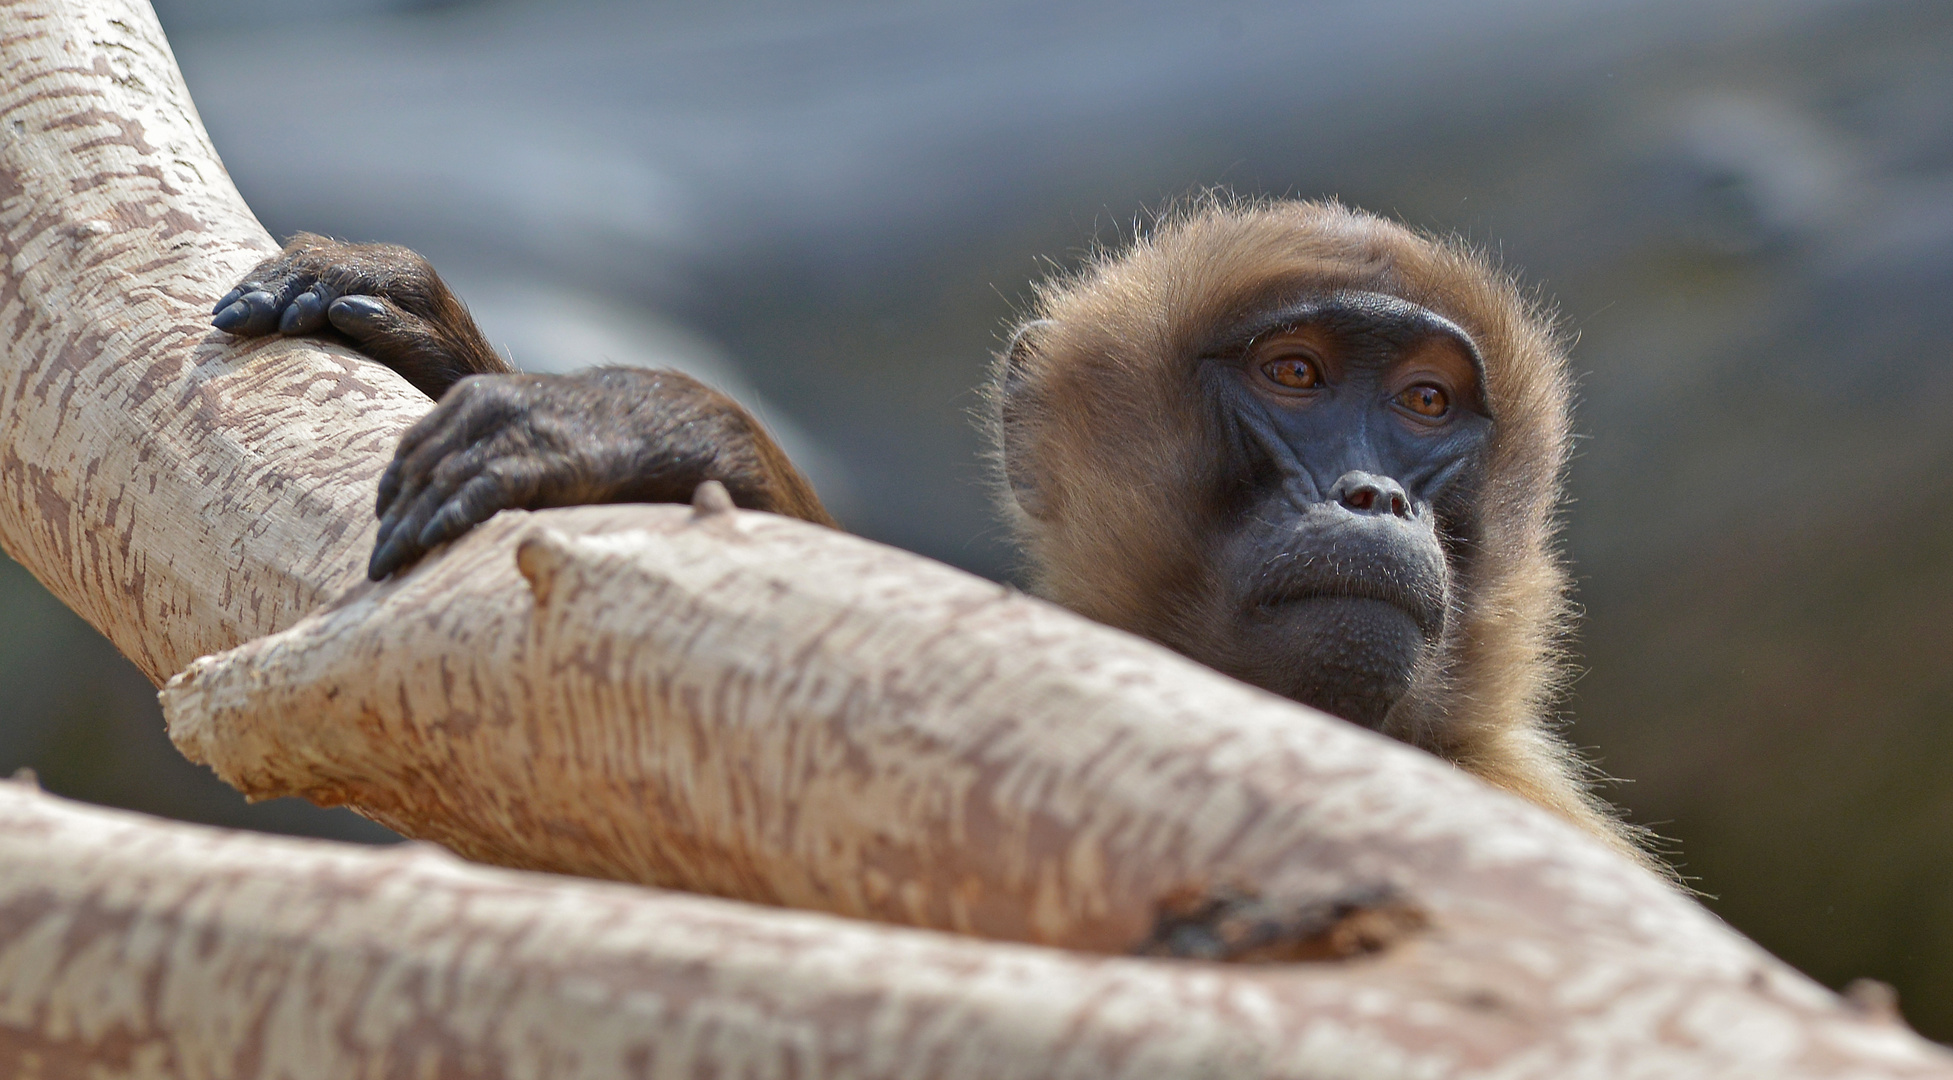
(1367,493)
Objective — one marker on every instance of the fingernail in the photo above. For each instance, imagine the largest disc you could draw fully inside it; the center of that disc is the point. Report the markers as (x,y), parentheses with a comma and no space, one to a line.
(352,313)
(305,314)
(232,316)
(263,309)
(229,299)
(386,559)
(387,524)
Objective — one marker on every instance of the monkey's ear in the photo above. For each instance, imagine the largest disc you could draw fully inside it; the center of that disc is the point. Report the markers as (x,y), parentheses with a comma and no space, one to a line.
(1020,406)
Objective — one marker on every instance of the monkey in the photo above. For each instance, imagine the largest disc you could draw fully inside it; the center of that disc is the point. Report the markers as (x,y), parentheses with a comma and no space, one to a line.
(1321,452)
(1307,446)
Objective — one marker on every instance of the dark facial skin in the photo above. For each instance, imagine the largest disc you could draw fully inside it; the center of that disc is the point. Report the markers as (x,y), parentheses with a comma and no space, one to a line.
(1355,431)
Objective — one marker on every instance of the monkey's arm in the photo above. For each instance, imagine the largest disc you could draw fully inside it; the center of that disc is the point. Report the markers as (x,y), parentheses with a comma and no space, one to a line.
(499,439)
(382,299)
(605,435)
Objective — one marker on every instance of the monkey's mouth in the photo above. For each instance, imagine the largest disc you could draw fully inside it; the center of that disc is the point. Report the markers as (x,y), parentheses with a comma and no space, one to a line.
(1340,614)
(1424,606)
(1351,655)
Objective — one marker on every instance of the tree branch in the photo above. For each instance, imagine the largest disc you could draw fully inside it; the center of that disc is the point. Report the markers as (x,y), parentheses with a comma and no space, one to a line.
(730,703)
(181,492)
(130,947)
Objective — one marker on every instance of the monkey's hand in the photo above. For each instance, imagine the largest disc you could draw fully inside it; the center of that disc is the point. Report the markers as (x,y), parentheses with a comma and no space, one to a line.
(381,299)
(605,435)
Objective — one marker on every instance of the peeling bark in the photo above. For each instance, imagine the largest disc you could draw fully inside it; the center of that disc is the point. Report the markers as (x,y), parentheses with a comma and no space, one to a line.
(731,703)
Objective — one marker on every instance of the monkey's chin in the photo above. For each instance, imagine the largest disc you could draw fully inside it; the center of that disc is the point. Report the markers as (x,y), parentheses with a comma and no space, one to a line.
(1349,657)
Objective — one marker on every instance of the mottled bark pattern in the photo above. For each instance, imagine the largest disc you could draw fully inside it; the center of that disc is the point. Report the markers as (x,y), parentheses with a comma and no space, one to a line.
(749,705)
(136,949)
(181,491)
(730,701)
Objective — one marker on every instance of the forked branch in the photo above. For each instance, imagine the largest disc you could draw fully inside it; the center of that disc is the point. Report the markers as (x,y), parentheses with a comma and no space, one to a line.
(720,702)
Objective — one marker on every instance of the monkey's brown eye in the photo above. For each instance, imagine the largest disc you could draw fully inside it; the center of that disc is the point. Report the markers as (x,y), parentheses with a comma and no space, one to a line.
(1425,400)
(1293,372)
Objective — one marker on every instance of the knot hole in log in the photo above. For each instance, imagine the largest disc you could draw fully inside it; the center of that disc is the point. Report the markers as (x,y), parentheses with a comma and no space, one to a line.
(1236,925)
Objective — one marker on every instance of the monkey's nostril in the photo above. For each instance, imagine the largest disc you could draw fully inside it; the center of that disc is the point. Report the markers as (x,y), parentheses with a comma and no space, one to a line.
(1365,493)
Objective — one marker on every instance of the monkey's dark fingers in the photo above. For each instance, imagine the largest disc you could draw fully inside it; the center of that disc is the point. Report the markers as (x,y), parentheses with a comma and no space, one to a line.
(306,314)
(398,486)
(407,473)
(391,555)
(421,494)
(435,428)
(414,463)
(398,543)
(383,541)
(399,540)
(471,413)
(411,470)
(252,313)
(262,302)
(476,410)
(231,297)
(499,487)
(380,328)
(410,475)
(431,523)
(390,482)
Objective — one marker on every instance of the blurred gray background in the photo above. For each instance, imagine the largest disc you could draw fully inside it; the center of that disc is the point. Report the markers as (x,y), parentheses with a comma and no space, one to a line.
(1745,210)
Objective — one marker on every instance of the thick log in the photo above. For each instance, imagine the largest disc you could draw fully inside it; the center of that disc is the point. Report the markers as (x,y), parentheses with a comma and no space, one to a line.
(747,705)
(186,495)
(135,948)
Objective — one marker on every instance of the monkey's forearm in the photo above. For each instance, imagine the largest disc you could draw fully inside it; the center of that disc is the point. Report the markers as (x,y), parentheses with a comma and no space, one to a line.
(606,435)
(382,299)
(654,436)
(499,439)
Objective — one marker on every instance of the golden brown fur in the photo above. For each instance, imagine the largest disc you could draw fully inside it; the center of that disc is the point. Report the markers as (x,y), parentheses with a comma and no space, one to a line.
(1103,401)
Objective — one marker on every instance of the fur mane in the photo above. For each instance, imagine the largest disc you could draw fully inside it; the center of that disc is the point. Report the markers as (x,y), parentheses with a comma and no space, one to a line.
(1103,379)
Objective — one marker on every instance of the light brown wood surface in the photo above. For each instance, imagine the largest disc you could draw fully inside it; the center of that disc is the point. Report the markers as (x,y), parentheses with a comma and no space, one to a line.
(737,704)
(182,492)
(134,948)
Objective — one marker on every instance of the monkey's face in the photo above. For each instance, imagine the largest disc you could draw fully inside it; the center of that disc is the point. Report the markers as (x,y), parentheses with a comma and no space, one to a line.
(1244,438)
(1354,429)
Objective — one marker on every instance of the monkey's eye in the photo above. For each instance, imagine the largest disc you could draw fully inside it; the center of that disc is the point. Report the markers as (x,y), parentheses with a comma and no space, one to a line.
(1425,400)
(1293,372)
